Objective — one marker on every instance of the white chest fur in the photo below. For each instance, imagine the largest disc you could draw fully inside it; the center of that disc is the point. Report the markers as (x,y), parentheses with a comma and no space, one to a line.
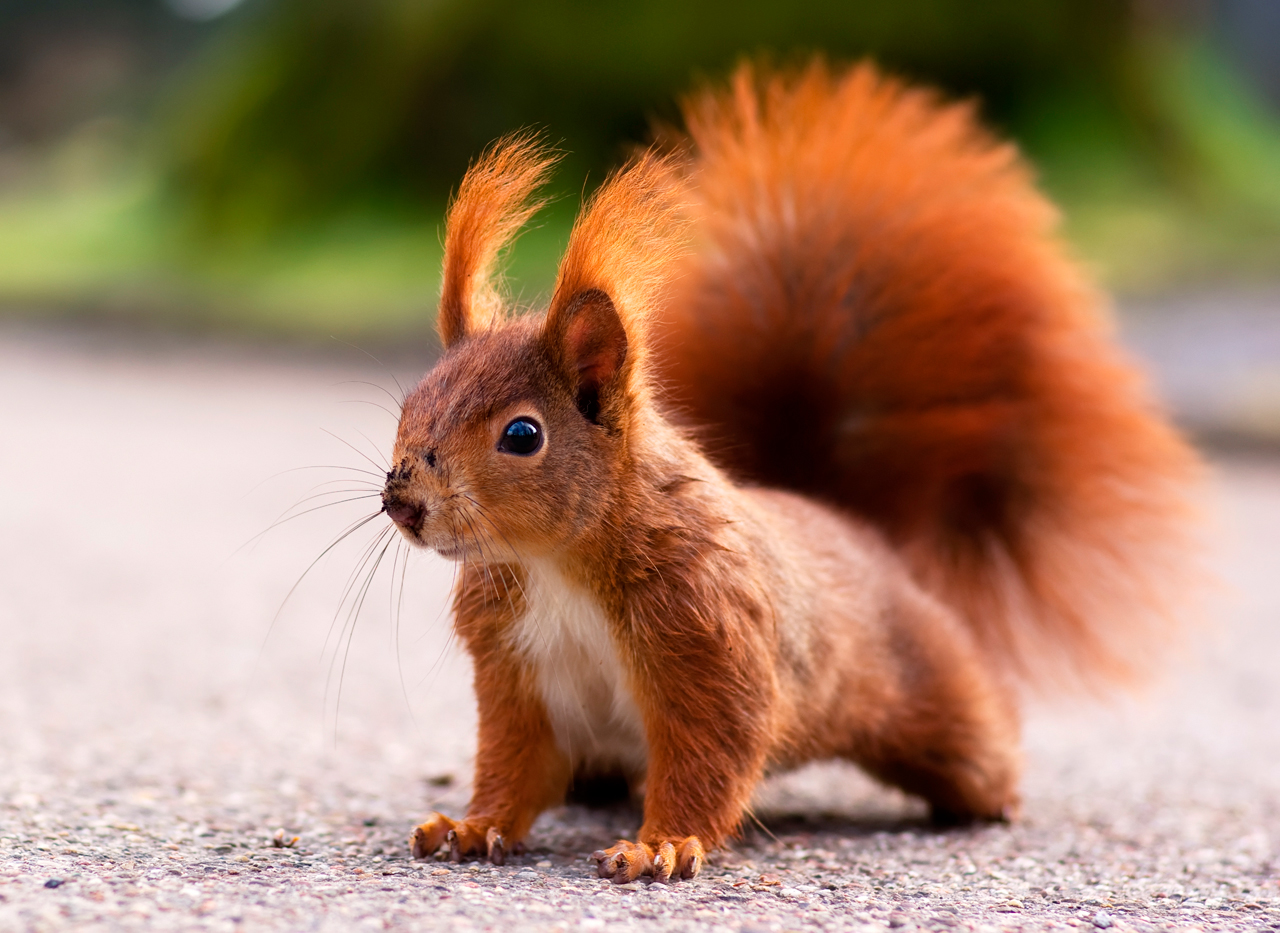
(565,636)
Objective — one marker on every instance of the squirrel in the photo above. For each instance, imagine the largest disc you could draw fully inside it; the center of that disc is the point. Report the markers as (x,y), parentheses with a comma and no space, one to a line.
(822,449)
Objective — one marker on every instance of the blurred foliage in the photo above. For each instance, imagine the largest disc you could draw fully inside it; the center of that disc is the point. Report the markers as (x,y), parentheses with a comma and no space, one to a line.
(292,171)
(305,104)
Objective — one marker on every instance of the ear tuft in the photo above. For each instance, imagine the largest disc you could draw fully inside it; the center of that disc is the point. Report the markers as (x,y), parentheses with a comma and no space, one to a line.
(614,268)
(493,202)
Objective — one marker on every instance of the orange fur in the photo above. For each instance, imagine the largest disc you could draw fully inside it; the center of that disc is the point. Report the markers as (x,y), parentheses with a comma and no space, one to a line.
(915,466)
(492,204)
(880,307)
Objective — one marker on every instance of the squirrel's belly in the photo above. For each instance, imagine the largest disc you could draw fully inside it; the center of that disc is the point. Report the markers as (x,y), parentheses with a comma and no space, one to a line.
(564,635)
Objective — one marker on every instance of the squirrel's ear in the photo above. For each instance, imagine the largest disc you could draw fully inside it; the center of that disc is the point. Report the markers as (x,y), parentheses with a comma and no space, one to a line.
(588,339)
(613,270)
(493,202)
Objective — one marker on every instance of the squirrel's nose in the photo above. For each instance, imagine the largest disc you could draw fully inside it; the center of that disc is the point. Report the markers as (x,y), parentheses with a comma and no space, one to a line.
(405,514)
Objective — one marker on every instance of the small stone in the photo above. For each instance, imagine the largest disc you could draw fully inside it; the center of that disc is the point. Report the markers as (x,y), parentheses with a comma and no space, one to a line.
(53,883)
(544,864)
(1102,920)
(897,919)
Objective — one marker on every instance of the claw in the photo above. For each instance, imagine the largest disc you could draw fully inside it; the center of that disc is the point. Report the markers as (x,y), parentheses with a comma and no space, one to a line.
(465,839)
(629,868)
(691,856)
(427,838)
(610,861)
(495,846)
(420,844)
(664,862)
(691,869)
(624,862)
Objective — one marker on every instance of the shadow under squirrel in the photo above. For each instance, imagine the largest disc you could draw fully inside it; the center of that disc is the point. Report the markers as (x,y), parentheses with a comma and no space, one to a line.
(821,449)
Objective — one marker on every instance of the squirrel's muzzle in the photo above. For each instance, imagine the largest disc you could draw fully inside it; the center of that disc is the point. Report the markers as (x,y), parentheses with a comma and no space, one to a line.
(407,515)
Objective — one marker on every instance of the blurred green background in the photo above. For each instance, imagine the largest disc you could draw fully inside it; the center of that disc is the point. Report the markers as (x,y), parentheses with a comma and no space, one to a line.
(281,166)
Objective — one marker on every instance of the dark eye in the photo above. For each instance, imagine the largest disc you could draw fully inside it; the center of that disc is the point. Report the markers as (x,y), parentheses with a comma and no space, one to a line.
(522,436)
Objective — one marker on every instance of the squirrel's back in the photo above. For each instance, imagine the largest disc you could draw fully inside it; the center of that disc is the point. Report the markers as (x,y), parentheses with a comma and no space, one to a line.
(877,315)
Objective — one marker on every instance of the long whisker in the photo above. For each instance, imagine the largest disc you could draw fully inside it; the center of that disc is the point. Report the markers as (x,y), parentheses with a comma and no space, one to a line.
(447,607)
(399,402)
(380,476)
(484,558)
(378,405)
(505,540)
(350,586)
(537,622)
(480,512)
(283,521)
(366,489)
(347,591)
(377,482)
(396,608)
(459,566)
(448,642)
(342,536)
(476,531)
(355,619)
(380,363)
(383,469)
(375,445)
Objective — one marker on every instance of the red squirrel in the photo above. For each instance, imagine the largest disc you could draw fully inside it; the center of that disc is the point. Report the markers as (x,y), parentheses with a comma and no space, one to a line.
(820,450)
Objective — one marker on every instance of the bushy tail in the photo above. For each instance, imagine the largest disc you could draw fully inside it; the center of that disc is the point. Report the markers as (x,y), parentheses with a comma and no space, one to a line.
(878,315)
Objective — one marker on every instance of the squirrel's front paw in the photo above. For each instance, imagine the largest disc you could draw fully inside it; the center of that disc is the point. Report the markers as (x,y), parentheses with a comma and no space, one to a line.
(668,860)
(427,839)
(472,836)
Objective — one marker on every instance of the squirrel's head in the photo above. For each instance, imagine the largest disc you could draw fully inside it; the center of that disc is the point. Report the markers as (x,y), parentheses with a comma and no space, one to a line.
(515,443)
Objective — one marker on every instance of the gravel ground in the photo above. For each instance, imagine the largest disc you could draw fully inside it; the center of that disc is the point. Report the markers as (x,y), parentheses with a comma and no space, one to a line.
(163,741)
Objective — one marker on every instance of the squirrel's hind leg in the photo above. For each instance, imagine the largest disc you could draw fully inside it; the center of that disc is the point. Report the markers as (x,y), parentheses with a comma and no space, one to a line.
(948,730)
(960,785)
(965,768)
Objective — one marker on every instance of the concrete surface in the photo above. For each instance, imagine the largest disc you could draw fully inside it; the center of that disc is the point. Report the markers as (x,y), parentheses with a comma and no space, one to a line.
(158,730)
